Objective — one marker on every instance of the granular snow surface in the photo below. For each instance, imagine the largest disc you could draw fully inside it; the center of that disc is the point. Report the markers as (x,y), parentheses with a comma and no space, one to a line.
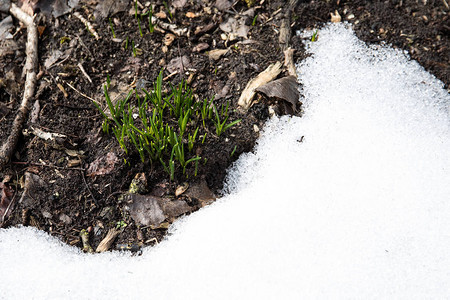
(358,208)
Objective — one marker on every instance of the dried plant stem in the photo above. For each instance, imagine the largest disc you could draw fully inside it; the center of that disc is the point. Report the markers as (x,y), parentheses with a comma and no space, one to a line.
(106,243)
(30,69)
(87,24)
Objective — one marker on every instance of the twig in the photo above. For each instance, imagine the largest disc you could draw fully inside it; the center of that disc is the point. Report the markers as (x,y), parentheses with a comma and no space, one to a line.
(84,95)
(84,72)
(170,75)
(87,24)
(44,165)
(30,83)
(89,190)
(289,61)
(445,3)
(106,243)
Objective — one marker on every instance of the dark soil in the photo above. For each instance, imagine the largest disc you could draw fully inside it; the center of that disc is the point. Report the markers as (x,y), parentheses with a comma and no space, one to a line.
(65,199)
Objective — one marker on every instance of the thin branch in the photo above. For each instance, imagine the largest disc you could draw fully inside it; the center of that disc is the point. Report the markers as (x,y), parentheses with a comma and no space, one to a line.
(30,69)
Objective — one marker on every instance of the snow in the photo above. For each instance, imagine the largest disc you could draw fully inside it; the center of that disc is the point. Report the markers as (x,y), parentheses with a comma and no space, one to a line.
(359,209)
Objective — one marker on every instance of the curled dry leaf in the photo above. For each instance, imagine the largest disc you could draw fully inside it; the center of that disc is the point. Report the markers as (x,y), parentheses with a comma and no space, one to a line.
(168,39)
(181,189)
(336,17)
(285,89)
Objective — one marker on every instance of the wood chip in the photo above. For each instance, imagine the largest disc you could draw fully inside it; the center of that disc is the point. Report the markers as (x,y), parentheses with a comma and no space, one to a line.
(217,53)
(190,15)
(106,243)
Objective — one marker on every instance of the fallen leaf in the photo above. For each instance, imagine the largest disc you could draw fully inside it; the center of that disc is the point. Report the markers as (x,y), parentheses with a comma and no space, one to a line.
(152,211)
(236,27)
(103,165)
(217,53)
(178,64)
(108,8)
(56,8)
(168,39)
(285,89)
(181,189)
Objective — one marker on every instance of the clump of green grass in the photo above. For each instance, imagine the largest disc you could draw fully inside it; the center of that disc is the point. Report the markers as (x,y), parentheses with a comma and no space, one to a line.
(164,127)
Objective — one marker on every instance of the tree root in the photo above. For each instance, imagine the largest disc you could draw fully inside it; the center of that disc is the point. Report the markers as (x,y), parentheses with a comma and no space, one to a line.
(30,70)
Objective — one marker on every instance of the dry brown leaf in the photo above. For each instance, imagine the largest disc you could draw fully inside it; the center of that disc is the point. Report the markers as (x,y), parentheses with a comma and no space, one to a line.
(103,165)
(272,71)
(285,89)
(168,39)
(181,189)
(152,211)
(107,8)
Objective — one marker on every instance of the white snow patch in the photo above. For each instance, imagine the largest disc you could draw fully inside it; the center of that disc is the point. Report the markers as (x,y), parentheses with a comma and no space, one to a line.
(359,209)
